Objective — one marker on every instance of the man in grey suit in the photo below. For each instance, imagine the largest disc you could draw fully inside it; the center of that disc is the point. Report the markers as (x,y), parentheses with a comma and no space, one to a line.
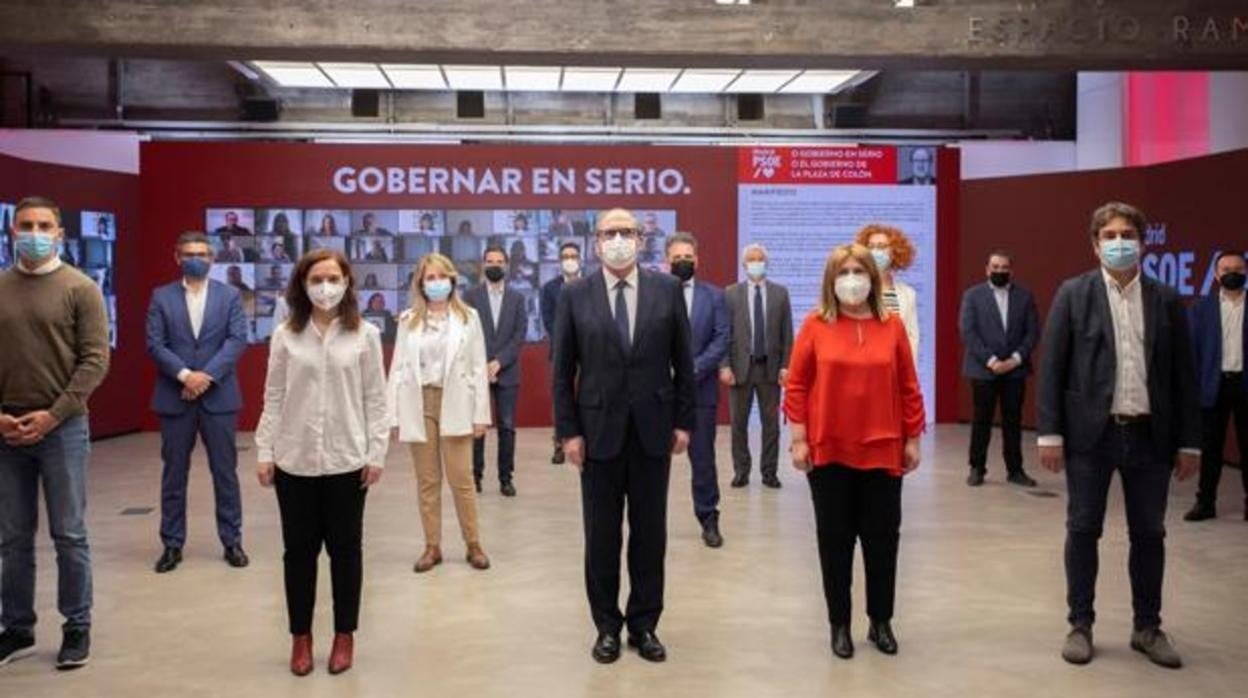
(501,310)
(757,362)
(1118,392)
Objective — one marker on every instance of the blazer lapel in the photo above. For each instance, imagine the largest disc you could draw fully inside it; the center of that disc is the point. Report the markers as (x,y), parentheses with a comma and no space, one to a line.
(1149,297)
(990,304)
(180,314)
(487,308)
(604,312)
(1100,301)
(454,333)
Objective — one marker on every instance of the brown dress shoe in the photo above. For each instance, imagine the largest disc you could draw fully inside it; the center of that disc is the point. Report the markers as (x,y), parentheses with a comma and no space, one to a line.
(476,557)
(432,558)
(340,658)
(301,655)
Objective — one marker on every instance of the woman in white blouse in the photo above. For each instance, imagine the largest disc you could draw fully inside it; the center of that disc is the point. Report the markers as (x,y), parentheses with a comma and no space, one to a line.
(322,442)
(439,398)
(893,252)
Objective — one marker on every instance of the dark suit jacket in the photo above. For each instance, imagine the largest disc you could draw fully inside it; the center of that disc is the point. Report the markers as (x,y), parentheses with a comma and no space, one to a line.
(173,346)
(598,386)
(1207,342)
(708,323)
(549,300)
(502,344)
(1079,364)
(778,316)
(983,337)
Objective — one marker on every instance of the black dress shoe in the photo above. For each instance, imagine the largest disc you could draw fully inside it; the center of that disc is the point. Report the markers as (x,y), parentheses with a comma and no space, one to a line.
(606,648)
(771,481)
(477,482)
(976,478)
(648,646)
(740,480)
(1201,512)
(236,557)
(710,532)
(881,635)
(842,643)
(1021,479)
(557,458)
(508,489)
(169,560)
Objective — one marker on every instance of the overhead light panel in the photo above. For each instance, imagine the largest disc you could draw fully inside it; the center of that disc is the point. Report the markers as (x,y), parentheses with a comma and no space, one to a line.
(474,77)
(704,81)
(590,79)
(532,78)
(647,79)
(761,81)
(414,77)
(356,75)
(819,81)
(287,74)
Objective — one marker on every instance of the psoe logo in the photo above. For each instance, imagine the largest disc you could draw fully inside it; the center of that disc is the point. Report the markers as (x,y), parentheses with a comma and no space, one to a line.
(766,163)
(1155,235)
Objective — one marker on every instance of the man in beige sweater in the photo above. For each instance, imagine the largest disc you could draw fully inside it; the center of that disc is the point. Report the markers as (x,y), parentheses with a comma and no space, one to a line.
(55,331)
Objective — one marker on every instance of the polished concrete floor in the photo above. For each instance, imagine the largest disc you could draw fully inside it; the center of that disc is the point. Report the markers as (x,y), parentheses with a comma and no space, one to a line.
(980,604)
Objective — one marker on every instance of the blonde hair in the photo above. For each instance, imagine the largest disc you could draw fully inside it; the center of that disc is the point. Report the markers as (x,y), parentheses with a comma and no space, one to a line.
(828,303)
(418,305)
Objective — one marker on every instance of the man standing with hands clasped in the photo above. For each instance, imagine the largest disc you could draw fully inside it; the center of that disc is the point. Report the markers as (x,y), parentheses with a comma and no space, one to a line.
(624,405)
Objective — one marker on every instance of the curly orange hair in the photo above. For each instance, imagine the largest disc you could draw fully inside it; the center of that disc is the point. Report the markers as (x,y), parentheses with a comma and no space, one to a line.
(900,245)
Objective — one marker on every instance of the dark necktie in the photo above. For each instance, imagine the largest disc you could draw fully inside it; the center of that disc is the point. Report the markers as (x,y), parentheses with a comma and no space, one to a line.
(621,314)
(760,329)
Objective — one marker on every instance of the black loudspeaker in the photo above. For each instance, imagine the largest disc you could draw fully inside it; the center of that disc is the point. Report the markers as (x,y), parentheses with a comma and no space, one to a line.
(365,103)
(261,109)
(848,116)
(470,104)
(647,105)
(749,107)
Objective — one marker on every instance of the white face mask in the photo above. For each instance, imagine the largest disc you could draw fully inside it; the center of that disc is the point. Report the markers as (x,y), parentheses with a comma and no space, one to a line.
(852,289)
(571,267)
(327,295)
(619,252)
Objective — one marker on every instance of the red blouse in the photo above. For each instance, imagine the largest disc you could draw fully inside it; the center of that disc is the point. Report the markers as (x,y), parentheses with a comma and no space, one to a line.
(853,384)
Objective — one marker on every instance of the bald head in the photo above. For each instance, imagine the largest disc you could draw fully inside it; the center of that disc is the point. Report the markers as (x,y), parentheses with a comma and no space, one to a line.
(614,219)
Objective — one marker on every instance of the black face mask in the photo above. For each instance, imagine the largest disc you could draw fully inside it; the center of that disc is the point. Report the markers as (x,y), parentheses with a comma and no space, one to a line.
(683,269)
(494,274)
(1000,279)
(1233,280)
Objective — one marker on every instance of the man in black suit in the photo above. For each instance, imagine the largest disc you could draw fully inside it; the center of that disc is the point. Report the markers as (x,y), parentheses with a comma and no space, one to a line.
(501,310)
(1000,328)
(1118,391)
(624,404)
(232,226)
(569,271)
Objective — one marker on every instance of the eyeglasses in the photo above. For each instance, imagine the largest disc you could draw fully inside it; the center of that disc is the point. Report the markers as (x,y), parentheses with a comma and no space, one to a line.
(626,233)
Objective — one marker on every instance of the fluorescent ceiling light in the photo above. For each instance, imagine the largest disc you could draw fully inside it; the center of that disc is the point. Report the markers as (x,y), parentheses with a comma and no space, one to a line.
(474,77)
(294,74)
(762,81)
(590,79)
(356,75)
(647,79)
(819,81)
(532,78)
(706,81)
(414,77)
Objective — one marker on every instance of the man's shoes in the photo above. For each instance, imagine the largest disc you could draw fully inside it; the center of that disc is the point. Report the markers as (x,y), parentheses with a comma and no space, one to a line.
(1078,647)
(1155,644)
(740,480)
(1020,478)
(236,557)
(557,458)
(842,643)
(1203,512)
(431,558)
(476,557)
(976,478)
(881,635)
(75,649)
(14,645)
(342,656)
(606,648)
(771,481)
(508,489)
(648,646)
(301,655)
(169,560)
(476,481)
(710,532)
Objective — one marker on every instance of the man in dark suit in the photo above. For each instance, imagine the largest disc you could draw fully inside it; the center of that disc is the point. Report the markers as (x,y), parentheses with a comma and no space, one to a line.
(1000,328)
(196,331)
(759,344)
(1220,336)
(501,310)
(708,323)
(1118,392)
(569,271)
(922,167)
(231,226)
(624,404)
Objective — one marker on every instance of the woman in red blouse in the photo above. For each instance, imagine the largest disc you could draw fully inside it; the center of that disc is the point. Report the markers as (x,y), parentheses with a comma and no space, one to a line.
(856,415)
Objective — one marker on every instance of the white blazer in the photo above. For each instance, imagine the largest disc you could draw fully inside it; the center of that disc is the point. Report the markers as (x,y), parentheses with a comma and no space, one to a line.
(908,303)
(465,387)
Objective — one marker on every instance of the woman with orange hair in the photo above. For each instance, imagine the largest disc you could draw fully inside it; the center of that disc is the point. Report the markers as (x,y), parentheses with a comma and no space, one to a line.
(893,252)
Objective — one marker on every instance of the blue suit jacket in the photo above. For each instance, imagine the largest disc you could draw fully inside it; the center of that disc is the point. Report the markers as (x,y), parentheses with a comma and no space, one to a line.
(502,343)
(984,337)
(709,325)
(1207,342)
(173,346)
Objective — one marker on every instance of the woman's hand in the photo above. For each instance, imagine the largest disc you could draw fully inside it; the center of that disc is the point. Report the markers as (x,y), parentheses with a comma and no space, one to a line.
(478,430)
(912,455)
(369,475)
(264,473)
(799,451)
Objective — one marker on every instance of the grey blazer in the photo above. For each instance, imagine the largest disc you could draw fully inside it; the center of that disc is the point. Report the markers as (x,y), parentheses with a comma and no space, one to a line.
(778,315)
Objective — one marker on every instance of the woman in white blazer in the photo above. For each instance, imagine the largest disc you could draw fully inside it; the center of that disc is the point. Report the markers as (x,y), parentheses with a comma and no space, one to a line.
(439,399)
(893,252)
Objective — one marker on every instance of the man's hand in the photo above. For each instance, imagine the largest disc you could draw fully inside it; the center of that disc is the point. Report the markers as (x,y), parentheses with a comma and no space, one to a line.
(478,430)
(912,455)
(726,377)
(784,377)
(574,451)
(680,441)
(492,369)
(1053,458)
(32,428)
(8,427)
(197,383)
(369,475)
(1186,465)
(799,453)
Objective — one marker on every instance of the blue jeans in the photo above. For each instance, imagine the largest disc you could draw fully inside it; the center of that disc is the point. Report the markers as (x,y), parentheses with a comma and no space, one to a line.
(60,461)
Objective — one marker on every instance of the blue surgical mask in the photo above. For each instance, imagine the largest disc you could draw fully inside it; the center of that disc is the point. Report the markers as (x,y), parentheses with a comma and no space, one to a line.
(195,268)
(438,289)
(756,270)
(883,257)
(1120,254)
(36,247)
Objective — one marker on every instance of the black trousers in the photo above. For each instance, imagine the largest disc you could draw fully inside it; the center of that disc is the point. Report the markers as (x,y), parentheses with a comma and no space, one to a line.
(986,394)
(638,482)
(326,511)
(505,419)
(852,505)
(1231,402)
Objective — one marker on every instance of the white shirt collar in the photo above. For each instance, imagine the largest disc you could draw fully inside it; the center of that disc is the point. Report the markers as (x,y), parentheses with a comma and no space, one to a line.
(1226,297)
(612,279)
(1111,282)
(496,288)
(43,269)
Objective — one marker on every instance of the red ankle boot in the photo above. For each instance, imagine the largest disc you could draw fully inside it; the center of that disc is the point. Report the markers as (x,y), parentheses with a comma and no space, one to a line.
(341,657)
(301,655)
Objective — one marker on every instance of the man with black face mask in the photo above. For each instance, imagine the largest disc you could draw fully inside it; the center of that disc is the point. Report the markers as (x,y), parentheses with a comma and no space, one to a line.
(1219,336)
(1000,327)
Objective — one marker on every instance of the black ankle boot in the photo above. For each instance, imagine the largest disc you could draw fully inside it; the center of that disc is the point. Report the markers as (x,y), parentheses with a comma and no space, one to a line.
(881,635)
(842,643)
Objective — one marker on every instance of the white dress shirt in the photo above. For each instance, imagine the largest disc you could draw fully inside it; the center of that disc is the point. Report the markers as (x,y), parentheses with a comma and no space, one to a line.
(1002,296)
(431,346)
(688,288)
(495,292)
(196,302)
(630,296)
(324,401)
(1232,333)
(1126,308)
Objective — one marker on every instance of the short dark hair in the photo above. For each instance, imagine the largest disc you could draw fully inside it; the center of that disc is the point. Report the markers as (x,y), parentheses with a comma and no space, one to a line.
(1228,253)
(567,245)
(999,252)
(678,238)
(38,202)
(191,237)
(495,248)
(1116,209)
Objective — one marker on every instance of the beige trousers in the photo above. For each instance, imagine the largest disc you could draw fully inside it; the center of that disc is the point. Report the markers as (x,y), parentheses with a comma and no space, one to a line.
(454,455)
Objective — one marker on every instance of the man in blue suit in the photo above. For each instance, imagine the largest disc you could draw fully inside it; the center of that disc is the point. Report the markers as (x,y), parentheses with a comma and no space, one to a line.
(196,331)
(708,322)
(1220,336)
(1000,327)
(570,270)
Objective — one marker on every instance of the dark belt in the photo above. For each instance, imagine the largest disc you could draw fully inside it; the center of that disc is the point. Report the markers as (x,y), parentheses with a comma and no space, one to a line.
(758,359)
(1232,375)
(1123,420)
